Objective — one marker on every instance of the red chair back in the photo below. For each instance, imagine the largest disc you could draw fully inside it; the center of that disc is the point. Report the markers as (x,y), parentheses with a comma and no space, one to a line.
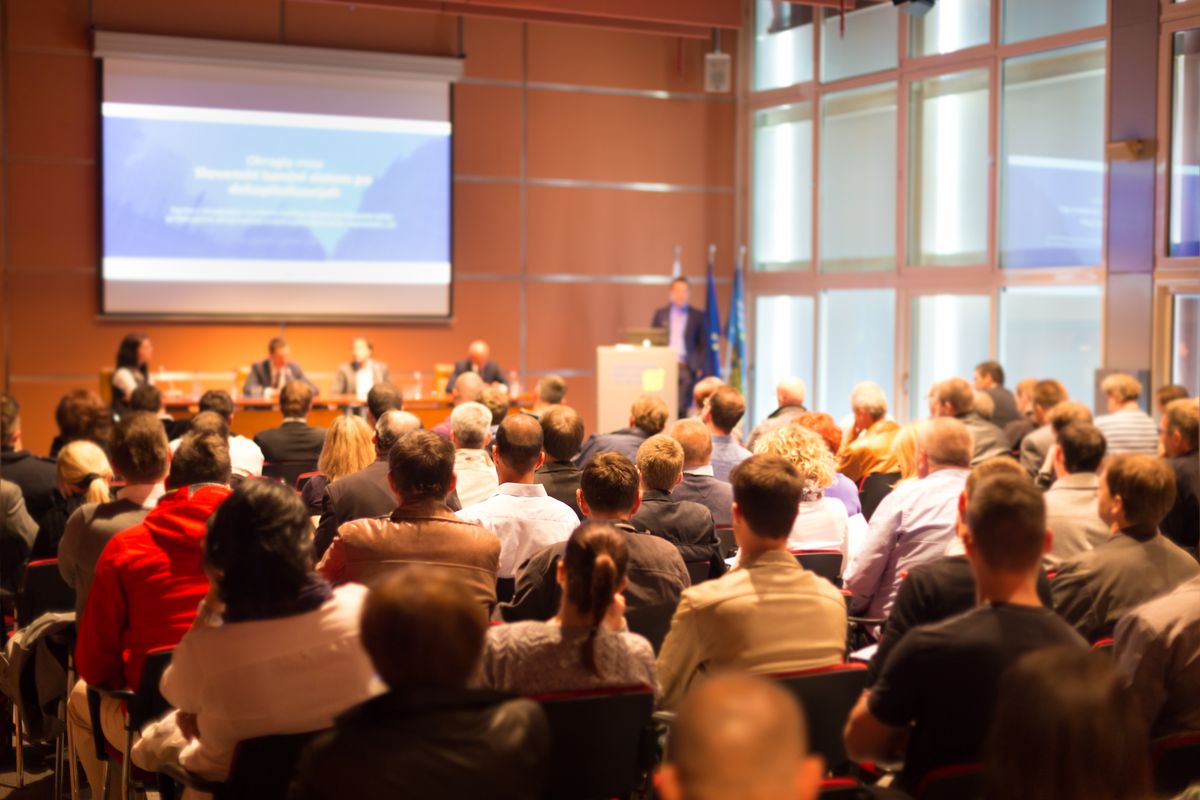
(1175,761)
(43,590)
(954,782)
(1104,645)
(827,695)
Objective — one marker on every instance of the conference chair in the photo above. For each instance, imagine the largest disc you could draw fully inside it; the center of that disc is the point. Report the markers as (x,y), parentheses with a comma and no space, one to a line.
(954,782)
(827,695)
(601,742)
(303,479)
(288,472)
(141,706)
(698,570)
(1175,763)
(726,541)
(826,563)
(262,769)
(1104,646)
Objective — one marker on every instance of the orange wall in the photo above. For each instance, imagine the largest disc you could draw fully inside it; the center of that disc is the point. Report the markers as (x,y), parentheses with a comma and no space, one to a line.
(551,250)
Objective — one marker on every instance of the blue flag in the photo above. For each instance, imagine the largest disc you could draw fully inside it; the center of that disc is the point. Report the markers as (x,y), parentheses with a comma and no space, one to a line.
(735,333)
(712,356)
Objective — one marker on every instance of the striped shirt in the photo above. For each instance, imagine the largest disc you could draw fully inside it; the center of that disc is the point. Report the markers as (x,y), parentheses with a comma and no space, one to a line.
(1129,430)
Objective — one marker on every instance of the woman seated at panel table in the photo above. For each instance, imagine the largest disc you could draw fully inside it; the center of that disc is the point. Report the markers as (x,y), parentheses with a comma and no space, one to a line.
(133,369)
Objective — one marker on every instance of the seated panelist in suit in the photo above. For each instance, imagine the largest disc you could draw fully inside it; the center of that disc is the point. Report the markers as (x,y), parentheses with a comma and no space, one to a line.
(359,376)
(478,360)
(295,439)
(269,376)
(685,335)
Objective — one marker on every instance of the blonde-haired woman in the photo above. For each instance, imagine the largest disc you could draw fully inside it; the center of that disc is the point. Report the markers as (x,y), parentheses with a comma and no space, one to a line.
(348,448)
(904,455)
(822,522)
(83,477)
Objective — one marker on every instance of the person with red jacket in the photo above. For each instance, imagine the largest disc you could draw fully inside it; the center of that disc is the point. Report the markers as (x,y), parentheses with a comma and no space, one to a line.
(148,585)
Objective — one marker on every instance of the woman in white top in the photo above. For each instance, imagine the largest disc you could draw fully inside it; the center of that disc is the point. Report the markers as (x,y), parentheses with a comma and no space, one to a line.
(822,523)
(273,649)
(133,369)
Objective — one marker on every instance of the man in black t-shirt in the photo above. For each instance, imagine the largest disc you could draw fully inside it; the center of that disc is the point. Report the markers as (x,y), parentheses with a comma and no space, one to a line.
(942,678)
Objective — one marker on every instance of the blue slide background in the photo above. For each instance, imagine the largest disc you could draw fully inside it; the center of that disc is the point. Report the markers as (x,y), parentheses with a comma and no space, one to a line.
(1054,217)
(148,168)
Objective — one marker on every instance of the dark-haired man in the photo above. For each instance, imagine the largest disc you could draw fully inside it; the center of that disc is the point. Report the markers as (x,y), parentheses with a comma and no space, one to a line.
(562,434)
(421,529)
(1072,504)
(382,398)
(550,392)
(269,376)
(294,439)
(35,476)
(608,491)
(722,413)
(767,615)
(989,379)
(245,456)
(943,677)
(954,397)
(141,456)
(148,583)
(520,513)
(147,397)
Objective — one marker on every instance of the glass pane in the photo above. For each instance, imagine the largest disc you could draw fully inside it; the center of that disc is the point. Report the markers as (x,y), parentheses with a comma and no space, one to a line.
(1031,19)
(783,44)
(948,169)
(951,25)
(1051,333)
(783,330)
(949,337)
(782,181)
(1053,159)
(858,180)
(868,45)
(1184,236)
(851,351)
(1185,348)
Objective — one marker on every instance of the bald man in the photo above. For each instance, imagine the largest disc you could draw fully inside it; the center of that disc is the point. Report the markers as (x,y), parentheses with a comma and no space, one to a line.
(790,394)
(916,522)
(740,737)
(479,361)
(467,389)
(699,484)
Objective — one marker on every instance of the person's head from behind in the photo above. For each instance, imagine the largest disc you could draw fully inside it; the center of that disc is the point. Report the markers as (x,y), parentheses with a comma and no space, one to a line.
(989,375)
(679,292)
(1179,427)
(904,450)
(790,392)
(83,470)
(200,458)
(1065,413)
(551,390)
(943,443)
(81,414)
(518,448)
(467,388)
(1006,526)
(209,422)
(421,468)
(1168,394)
(140,453)
(1136,491)
(591,572)
(803,449)
(278,351)
(609,487)
(146,397)
(1081,448)
(766,500)
(693,436)
(562,433)
(382,398)
(391,427)
(496,399)
(1024,395)
(1065,728)
(649,413)
(726,407)
(10,422)
(295,399)
(423,630)
(219,402)
(1120,390)
(258,549)
(989,467)
(347,449)
(660,463)
(983,404)
(824,426)
(135,352)
(470,424)
(704,389)
(869,404)
(362,350)
(951,397)
(1046,395)
(740,737)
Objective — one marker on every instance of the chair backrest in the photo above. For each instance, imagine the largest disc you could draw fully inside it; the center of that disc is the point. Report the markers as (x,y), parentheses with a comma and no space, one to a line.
(726,541)
(505,588)
(827,695)
(43,589)
(1175,761)
(288,472)
(303,479)
(1104,645)
(954,782)
(263,767)
(148,702)
(826,563)
(697,571)
(599,742)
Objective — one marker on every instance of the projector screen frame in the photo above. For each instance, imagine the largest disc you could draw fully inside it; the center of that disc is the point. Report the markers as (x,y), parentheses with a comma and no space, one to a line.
(214,51)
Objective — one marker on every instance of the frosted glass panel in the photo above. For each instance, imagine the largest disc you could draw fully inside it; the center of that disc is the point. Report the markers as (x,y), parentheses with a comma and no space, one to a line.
(1184,202)
(868,45)
(948,170)
(1051,333)
(1185,348)
(782,181)
(1032,19)
(858,180)
(951,25)
(1052,176)
(857,343)
(783,347)
(783,44)
(949,337)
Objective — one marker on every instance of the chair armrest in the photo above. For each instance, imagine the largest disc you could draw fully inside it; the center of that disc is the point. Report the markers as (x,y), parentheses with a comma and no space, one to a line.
(184,778)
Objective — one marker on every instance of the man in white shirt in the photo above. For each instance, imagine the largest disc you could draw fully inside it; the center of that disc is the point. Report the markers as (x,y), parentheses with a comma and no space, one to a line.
(1126,428)
(1072,505)
(520,513)
(916,522)
(469,425)
(244,455)
(359,376)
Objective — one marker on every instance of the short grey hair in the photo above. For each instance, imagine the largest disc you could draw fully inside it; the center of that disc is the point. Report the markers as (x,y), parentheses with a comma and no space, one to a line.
(470,423)
(870,397)
(392,426)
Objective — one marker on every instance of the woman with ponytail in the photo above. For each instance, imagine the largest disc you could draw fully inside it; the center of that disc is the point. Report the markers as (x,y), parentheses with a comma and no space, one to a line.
(587,645)
(83,477)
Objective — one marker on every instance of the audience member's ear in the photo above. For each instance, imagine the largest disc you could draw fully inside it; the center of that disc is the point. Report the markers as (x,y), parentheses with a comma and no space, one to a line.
(679,479)
(736,512)
(453,482)
(637,502)
(1049,541)
(583,506)
(541,460)
(968,543)
(560,573)
(495,455)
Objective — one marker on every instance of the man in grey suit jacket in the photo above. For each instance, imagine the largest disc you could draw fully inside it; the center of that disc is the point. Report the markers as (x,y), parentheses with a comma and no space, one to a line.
(699,485)
(955,398)
(359,375)
(1036,444)
(1072,502)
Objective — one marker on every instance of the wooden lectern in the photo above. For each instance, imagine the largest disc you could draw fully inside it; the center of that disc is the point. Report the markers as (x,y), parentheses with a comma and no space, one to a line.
(626,372)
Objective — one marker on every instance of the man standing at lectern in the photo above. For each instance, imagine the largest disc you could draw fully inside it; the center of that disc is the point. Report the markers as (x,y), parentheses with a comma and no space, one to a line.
(685,335)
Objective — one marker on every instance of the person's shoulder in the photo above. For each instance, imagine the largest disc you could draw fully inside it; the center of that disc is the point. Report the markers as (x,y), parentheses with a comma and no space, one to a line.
(692,508)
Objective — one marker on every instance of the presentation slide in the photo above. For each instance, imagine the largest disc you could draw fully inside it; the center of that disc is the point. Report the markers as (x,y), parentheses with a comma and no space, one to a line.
(230,211)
